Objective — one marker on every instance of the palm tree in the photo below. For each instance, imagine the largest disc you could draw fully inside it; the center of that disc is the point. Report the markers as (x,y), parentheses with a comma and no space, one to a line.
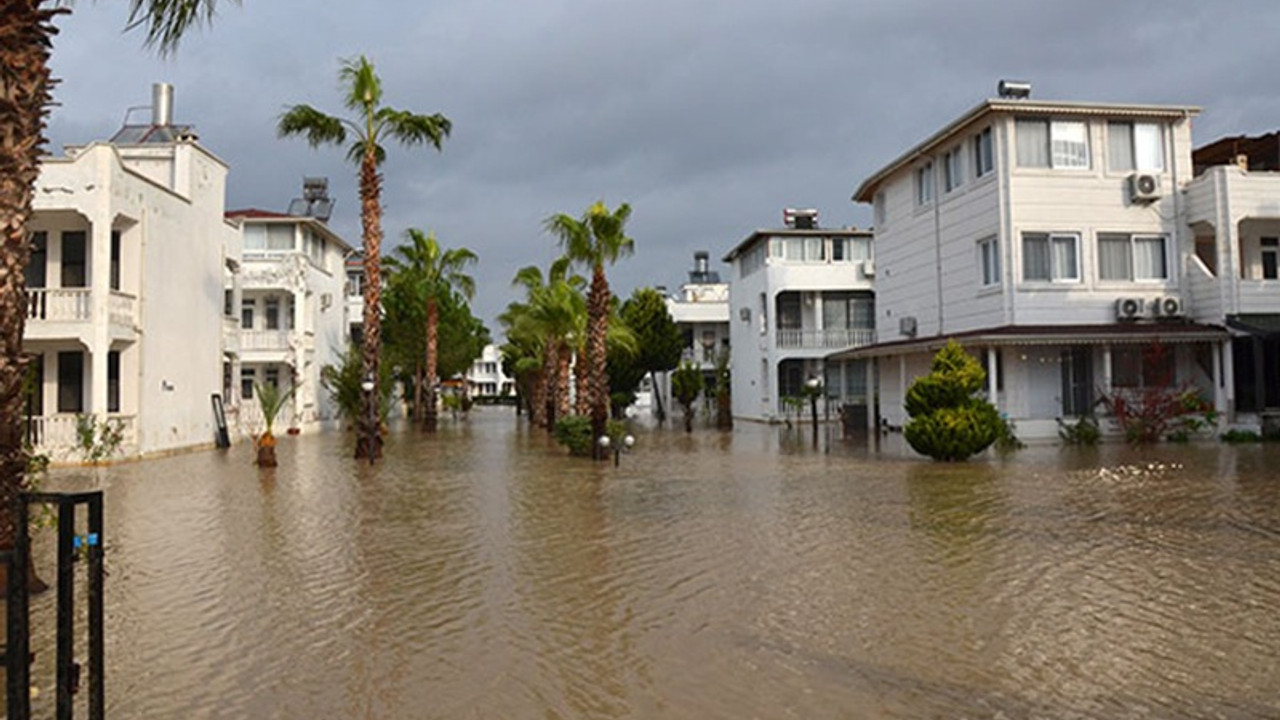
(599,237)
(373,124)
(26,34)
(271,401)
(552,318)
(432,274)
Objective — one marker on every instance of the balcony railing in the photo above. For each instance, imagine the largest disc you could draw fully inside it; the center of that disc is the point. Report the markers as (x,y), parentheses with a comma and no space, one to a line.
(831,339)
(264,340)
(123,308)
(58,432)
(59,304)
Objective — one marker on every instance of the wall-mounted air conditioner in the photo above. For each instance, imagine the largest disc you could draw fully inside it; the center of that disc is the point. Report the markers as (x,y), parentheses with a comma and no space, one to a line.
(869,268)
(907,326)
(1169,306)
(1144,187)
(1130,308)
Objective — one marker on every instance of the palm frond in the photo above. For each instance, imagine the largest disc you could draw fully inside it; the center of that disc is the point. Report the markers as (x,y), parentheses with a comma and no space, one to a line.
(167,20)
(361,84)
(318,127)
(412,129)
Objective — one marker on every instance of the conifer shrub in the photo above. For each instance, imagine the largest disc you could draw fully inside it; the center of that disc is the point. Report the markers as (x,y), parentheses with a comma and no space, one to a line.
(948,420)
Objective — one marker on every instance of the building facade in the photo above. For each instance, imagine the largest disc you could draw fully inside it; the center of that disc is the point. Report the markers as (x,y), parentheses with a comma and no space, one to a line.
(125,285)
(797,294)
(1052,240)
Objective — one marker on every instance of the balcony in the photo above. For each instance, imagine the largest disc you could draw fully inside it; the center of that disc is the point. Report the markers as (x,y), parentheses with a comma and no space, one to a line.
(832,339)
(59,304)
(266,340)
(57,433)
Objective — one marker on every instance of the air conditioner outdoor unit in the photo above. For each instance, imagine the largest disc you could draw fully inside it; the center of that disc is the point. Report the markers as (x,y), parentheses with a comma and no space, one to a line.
(869,268)
(1130,308)
(1169,306)
(907,326)
(744,314)
(1144,187)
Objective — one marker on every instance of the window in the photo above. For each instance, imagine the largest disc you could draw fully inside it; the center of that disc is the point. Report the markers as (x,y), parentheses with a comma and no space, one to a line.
(38,260)
(272,313)
(984,160)
(953,169)
(1270,256)
(70,382)
(1135,366)
(878,209)
(73,260)
(113,381)
(1132,257)
(924,184)
(989,261)
(246,315)
(247,378)
(801,249)
(273,377)
(1134,146)
(115,259)
(1050,257)
(1053,144)
(848,311)
(850,249)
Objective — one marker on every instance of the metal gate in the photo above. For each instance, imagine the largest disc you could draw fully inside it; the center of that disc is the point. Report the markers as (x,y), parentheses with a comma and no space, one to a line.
(73,548)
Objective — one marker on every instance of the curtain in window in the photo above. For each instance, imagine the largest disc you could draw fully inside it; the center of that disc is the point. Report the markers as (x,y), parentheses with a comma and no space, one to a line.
(1148,150)
(863,313)
(1113,257)
(1148,259)
(835,312)
(1035,257)
(1070,144)
(813,250)
(793,248)
(280,237)
(1120,146)
(1033,143)
(1064,257)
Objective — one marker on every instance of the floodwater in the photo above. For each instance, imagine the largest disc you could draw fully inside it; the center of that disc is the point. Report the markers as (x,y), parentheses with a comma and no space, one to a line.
(479,573)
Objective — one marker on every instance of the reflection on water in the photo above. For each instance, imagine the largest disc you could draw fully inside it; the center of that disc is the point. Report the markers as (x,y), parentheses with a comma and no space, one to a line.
(479,573)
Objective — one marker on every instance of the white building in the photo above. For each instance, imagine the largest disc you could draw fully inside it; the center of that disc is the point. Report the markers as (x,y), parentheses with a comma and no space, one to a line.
(291,321)
(1049,238)
(486,378)
(701,312)
(125,287)
(796,295)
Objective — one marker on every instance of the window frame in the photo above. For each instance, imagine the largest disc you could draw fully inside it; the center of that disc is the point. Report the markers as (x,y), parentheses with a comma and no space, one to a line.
(1054,276)
(1131,240)
(989,273)
(984,156)
(1053,129)
(953,170)
(1134,166)
(924,184)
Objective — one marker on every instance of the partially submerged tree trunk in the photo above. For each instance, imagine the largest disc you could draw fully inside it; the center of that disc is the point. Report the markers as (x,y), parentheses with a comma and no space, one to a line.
(432,411)
(26,31)
(598,377)
(266,445)
(369,442)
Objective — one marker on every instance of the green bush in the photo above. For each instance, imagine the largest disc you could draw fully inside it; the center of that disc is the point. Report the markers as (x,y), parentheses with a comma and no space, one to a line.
(1240,436)
(1084,431)
(574,432)
(948,422)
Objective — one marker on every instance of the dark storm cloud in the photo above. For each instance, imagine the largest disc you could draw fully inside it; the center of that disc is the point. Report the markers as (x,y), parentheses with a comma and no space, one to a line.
(707,116)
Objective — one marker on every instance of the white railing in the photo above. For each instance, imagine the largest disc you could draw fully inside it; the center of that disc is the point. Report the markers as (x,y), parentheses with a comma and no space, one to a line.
(58,432)
(123,308)
(264,340)
(835,338)
(58,304)
(1259,296)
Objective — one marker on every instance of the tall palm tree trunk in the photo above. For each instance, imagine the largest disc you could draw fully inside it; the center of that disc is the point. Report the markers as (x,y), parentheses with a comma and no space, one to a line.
(598,376)
(26,30)
(581,381)
(419,380)
(538,400)
(369,444)
(563,358)
(433,325)
(551,398)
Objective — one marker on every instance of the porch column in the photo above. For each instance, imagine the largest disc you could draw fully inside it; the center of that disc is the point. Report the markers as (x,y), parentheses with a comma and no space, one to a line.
(1106,369)
(902,386)
(872,395)
(99,342)
(821,335)
(1229,379)
(992,368)
(1219,396)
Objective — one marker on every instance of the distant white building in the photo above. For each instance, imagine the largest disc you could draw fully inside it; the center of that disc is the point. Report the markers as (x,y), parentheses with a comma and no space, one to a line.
(797,294)
(485,377)
(701,311)
(289,296)
(125,287)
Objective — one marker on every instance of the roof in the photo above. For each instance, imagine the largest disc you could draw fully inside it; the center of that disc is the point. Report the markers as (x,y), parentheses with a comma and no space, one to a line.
(256,214)
(269,216)
(866,190)
(1261,324)
(792,232)
(1024,335)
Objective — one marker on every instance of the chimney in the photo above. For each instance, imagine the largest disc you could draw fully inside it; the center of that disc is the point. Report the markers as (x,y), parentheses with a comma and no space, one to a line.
(161,104)
(700,262)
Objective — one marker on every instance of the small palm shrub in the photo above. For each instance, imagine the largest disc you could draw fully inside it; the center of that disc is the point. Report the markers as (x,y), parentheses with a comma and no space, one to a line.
(948,420)
(574,432)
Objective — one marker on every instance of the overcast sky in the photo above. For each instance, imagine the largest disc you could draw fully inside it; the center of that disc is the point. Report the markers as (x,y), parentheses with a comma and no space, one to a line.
(707,116)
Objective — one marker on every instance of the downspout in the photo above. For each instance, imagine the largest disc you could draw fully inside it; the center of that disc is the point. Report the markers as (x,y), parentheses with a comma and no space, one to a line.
(937,240)
(1004,190)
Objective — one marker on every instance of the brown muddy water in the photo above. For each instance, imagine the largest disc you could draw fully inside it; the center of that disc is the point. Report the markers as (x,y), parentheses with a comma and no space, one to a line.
(481,574)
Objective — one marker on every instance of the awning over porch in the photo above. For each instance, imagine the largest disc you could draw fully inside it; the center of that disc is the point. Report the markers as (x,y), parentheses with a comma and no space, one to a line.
(1026,335)
(1265,325)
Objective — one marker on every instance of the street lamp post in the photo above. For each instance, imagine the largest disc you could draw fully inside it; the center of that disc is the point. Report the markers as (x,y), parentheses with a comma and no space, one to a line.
(814,385)
(627,442)
(371,431)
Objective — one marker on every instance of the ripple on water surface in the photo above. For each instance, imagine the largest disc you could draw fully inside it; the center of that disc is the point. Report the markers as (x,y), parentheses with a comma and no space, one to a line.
(480,573)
